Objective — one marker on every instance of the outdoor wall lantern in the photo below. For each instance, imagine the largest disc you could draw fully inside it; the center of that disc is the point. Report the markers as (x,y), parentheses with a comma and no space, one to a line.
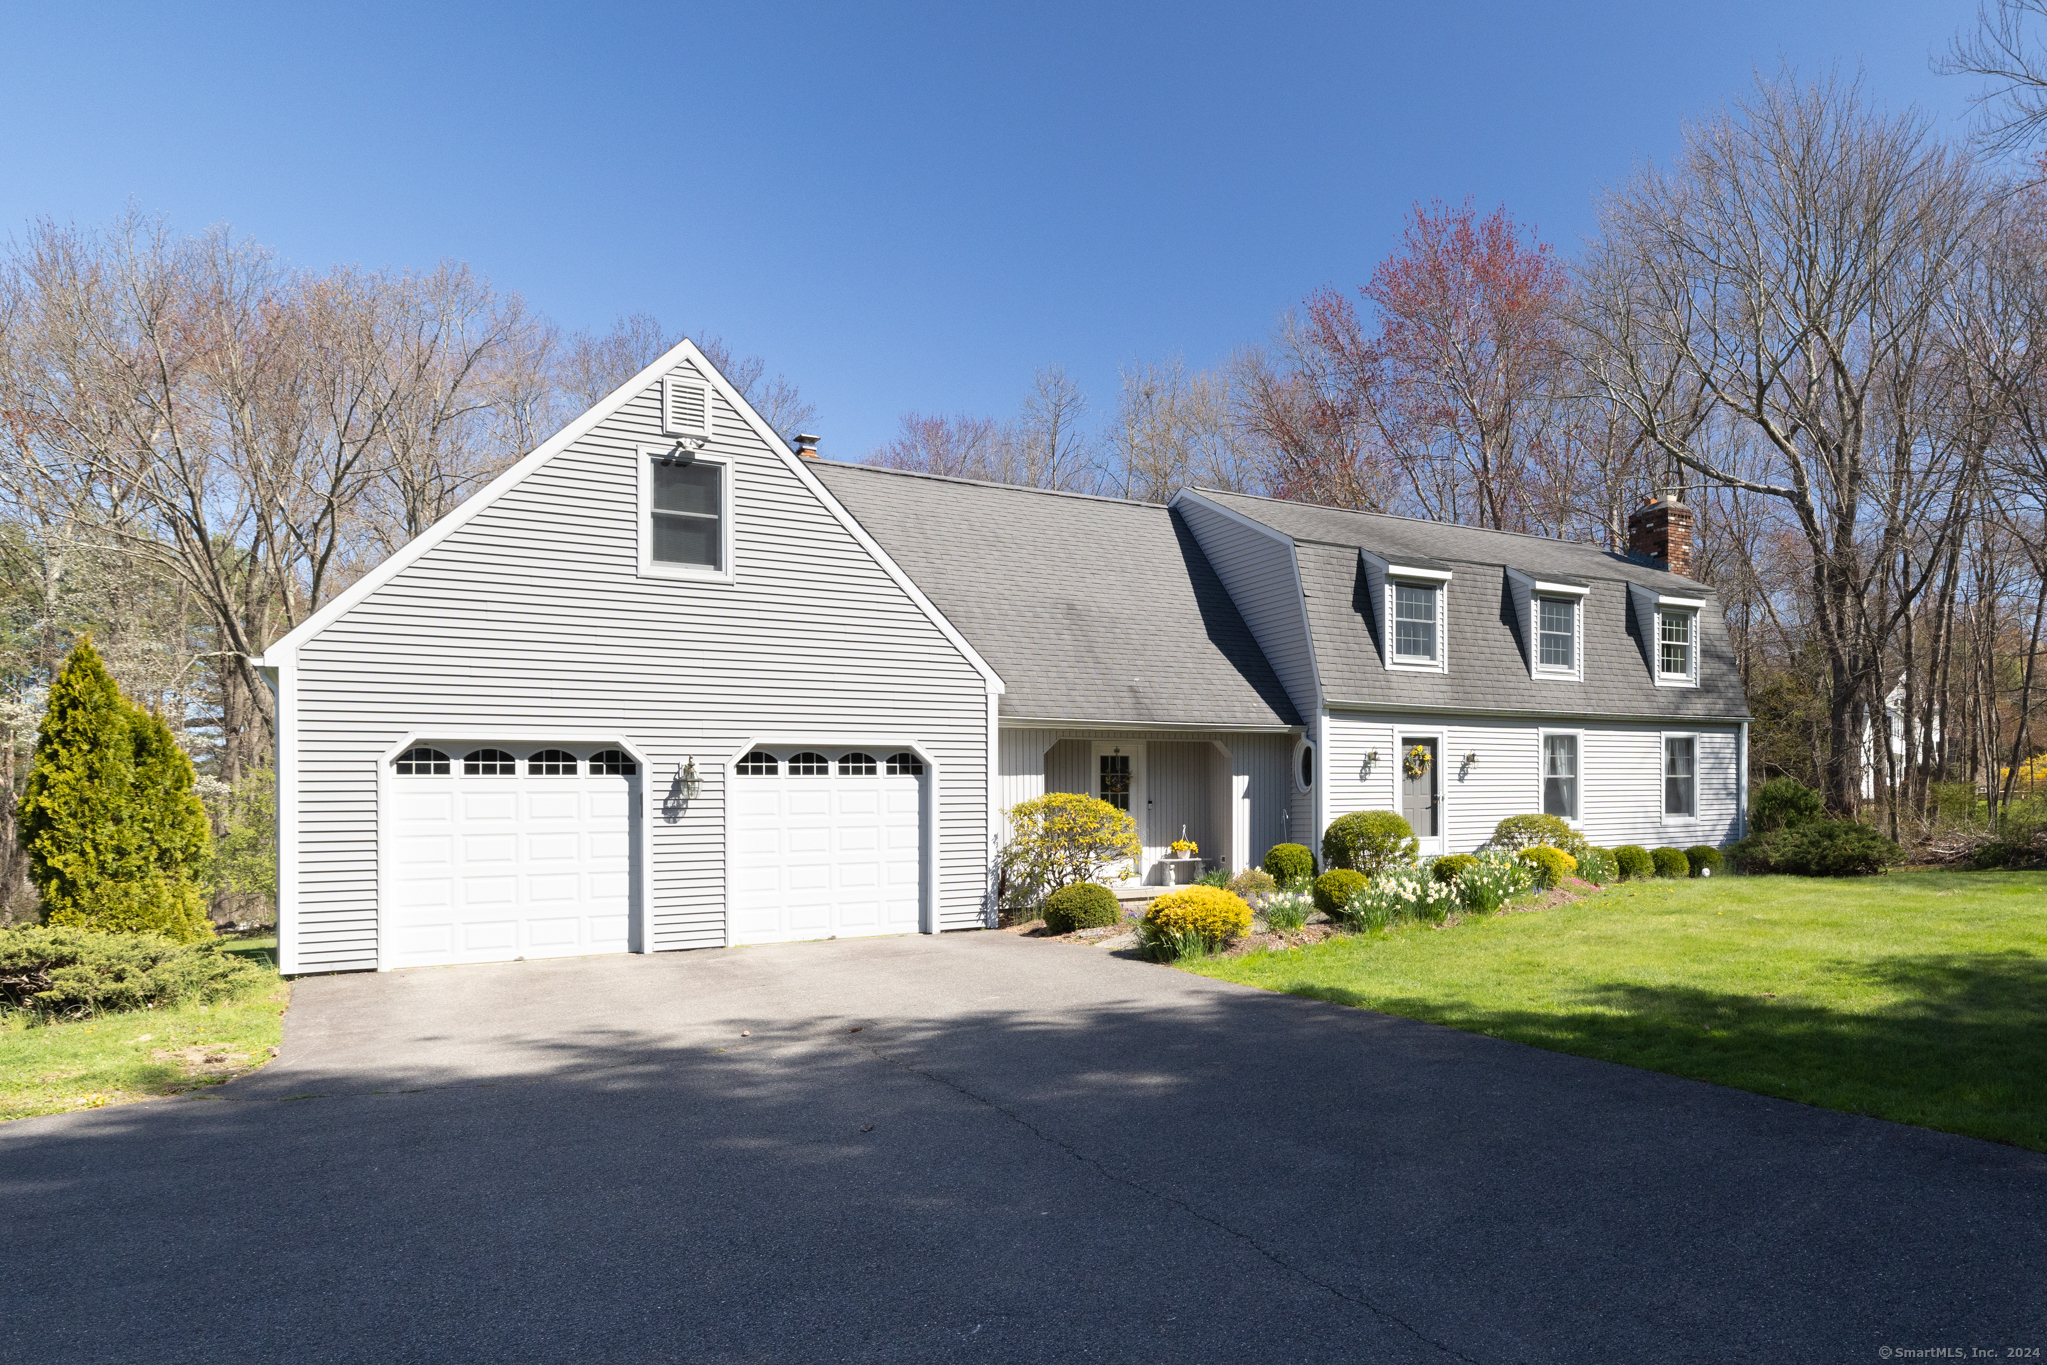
(689,784)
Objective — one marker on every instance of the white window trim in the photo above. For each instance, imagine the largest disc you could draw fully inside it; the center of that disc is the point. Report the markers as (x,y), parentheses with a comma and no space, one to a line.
(1692,607)
(1542,736)
(671,424)
(1439,579)
(1575,594)
(1304,745)
(1663,777)
(644,531)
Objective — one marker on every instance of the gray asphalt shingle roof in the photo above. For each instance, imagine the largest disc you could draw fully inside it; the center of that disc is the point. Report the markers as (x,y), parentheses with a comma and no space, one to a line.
(1487,668)
(1093,610)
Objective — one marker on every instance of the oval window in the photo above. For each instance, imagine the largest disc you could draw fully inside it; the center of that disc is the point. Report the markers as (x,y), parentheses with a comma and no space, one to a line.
(1304,766)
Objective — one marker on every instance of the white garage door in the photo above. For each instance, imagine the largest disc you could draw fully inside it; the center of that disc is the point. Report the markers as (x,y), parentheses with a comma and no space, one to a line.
(499,854)
(826,845)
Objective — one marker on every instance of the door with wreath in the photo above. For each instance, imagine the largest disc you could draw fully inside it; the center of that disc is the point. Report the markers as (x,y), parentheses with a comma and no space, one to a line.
(1421,788)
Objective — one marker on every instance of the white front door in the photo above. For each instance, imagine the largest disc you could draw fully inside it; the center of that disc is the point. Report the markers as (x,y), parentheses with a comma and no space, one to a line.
(506,858)
(827,843)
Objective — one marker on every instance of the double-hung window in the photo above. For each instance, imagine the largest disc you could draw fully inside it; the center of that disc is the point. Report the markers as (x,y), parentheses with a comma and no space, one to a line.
(1680,777)
(685,514)
(1556,633)
(1415,609)
(1676,645)
(1560,776)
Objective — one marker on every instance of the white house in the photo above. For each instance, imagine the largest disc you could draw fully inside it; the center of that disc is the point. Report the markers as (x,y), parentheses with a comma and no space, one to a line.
(669,683)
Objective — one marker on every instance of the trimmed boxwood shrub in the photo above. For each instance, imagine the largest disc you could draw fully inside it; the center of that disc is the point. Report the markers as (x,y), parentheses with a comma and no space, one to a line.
(1671,862)
(1596,865)
(1704,858)
(1784,803)
(1289,863)
(59,972)
(1369,841)
(1333,889)
(1635,862)
(1550,865)
(1819,848)
(1451,867)
(1083,905)
(1517,832)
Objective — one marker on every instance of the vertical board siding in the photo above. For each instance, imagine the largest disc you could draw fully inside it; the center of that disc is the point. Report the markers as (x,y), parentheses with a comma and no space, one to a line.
(1620,776)
(1184,775)
(1258,570)
(533,616)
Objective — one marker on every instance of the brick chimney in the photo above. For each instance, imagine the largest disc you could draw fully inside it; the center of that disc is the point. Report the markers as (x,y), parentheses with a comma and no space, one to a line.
(1661,529)
(806,446)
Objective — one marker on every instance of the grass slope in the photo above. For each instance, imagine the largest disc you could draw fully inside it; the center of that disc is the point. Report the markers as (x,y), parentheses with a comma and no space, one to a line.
(52,1068)
(1919,997)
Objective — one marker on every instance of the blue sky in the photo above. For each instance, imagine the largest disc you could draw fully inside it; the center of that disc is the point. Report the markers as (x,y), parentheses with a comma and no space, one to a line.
(902,207)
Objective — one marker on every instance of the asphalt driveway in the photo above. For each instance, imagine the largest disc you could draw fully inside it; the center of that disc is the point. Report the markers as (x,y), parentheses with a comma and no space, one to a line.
(979,1148)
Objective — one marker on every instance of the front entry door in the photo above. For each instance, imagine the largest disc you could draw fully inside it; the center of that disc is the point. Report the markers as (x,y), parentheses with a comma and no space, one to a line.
(1421,793)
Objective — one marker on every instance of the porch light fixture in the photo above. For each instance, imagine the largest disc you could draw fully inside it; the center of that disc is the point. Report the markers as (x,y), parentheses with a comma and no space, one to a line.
(688,783)
(1471,759)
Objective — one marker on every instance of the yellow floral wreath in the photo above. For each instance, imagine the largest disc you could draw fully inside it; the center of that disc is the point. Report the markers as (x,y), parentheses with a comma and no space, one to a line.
(1416,761)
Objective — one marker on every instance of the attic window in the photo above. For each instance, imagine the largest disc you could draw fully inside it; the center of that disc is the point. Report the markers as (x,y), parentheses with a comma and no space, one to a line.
(688,513)
(686,408)
(1676,646)
(1414,621)
(1557,632)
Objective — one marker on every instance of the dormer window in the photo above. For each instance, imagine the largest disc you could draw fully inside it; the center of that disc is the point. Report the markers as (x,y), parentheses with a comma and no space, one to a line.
(1412,600)
(1552,616)
(1676,646)
(1414,621)
(1556,633)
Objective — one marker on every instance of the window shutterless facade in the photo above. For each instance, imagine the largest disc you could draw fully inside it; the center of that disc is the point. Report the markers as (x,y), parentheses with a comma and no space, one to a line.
(1415,615)
(1560,775)
(685,505)
(1557,632)
(1680,777)
(1674,643)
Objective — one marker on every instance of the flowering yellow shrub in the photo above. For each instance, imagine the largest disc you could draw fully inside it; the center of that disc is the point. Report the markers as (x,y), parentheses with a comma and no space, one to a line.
(1215,914)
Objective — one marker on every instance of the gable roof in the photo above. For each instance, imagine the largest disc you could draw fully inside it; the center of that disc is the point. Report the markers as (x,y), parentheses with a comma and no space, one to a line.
(1488,670)
(1095,611)
(285,648)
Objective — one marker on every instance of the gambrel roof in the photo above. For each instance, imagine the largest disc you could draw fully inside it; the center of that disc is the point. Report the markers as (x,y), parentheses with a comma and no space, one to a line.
(1094,611)
(1487,664)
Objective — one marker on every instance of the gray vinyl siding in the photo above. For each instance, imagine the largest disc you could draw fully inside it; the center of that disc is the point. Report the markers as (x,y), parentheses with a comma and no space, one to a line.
(533,616)
(1258,570)
(1620,776)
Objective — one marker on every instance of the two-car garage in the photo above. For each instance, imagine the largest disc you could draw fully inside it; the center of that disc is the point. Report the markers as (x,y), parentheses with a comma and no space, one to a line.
(501,851)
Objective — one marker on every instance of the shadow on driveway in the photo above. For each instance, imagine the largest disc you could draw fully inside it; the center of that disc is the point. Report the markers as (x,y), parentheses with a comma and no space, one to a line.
(978,1148)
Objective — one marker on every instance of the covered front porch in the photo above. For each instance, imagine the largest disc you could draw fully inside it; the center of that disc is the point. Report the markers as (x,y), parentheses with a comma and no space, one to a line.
(1231,792)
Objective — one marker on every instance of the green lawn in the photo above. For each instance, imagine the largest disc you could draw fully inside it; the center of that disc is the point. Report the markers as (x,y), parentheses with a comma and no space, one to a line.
(51,1068)
(1919,997)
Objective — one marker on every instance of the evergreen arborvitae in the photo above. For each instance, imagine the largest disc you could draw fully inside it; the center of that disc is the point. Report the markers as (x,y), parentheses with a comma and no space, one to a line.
(116,838)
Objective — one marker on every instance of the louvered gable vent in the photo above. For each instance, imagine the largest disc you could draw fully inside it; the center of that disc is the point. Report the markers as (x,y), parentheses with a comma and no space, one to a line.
(685,407)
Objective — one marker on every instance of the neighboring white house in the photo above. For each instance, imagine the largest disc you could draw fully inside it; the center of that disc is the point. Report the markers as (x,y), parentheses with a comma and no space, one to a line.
(668,683)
